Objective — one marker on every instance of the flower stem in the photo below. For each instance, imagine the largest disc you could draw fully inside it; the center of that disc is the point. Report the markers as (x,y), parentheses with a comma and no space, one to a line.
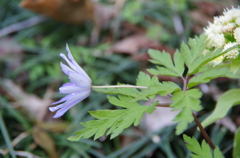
(121,86)
(203,132)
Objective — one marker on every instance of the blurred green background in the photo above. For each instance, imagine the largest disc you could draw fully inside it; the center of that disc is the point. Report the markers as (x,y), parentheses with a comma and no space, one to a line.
(109,39)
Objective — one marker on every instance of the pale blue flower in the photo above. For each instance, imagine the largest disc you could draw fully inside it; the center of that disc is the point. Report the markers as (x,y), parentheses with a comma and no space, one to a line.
(77,89)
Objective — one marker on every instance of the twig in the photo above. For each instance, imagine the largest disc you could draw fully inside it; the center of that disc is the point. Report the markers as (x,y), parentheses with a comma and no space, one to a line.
(203,132)
(22,25)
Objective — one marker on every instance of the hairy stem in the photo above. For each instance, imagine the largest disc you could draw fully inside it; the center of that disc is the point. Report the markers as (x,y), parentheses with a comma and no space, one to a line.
(121,86)
(203,132)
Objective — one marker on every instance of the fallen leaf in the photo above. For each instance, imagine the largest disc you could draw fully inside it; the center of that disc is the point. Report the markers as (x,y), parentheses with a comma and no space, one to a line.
(43,139)
(73,11)
(37,107)
(133,44)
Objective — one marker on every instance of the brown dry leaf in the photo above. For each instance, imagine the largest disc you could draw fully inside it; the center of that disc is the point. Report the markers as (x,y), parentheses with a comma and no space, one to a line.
(36,106)
(45,141)
(55,127)
(73,11)
(132,44)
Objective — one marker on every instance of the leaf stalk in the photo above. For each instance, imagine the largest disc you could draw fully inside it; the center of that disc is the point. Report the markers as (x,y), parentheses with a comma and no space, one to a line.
(121,86)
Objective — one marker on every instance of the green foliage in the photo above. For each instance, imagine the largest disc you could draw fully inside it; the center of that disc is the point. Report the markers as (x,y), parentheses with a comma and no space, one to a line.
(236,144)
(208,75)
(224,103)
(164,59)
(154,87)
(132,12)
(201,151)
(235,64)
(186,101)
(115,121)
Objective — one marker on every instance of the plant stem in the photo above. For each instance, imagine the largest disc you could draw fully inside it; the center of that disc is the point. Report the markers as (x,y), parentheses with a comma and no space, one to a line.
(197,121)
(184,84)
(203,132)
(121,86)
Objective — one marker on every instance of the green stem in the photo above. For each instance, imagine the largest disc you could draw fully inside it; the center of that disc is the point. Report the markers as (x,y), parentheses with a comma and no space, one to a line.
(121,86)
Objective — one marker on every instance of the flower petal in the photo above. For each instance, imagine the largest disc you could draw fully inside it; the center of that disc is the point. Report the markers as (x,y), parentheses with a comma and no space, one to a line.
(68,84)
(80,80)
(63,99)
(65,68)
(80,70)
(52,109)
(71,89)
(71,102)
(69,63)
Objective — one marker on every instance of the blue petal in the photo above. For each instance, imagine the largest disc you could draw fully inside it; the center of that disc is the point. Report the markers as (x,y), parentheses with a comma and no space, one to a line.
(52,109)
(63,99)
(69,62)
(65,68)
(71,89)
(68,84)
(80,80)
(78,68)
(71,102)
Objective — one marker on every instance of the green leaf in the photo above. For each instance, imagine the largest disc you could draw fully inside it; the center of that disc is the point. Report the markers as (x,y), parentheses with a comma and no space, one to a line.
(201,151)
(236,144)
(162,71)
(168,68)
(217,153)
(179,63)
(161,58)
(186,101)
(224,103)
(115,121)
(192,53)
(154,87)
(208,75)
(146,81)
(235,64)
(210,57)
(162,89)
(132,92)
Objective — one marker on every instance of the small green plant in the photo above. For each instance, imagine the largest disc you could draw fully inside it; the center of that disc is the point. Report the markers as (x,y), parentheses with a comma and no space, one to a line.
(199,61)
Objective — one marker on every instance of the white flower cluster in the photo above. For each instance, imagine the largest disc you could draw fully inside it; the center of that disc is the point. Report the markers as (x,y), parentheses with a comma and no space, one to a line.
(224,33)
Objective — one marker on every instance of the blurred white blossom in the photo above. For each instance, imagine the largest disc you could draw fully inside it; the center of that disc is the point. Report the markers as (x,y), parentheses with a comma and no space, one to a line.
(224,33)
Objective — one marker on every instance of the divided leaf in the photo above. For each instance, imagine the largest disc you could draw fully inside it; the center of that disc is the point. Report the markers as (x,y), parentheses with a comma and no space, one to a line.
(132,92)
(208,75)
(162,89)
(224,103)
(114,121)
(154,87)
(201,151)
(192,53)
(186,101)
(168,68)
